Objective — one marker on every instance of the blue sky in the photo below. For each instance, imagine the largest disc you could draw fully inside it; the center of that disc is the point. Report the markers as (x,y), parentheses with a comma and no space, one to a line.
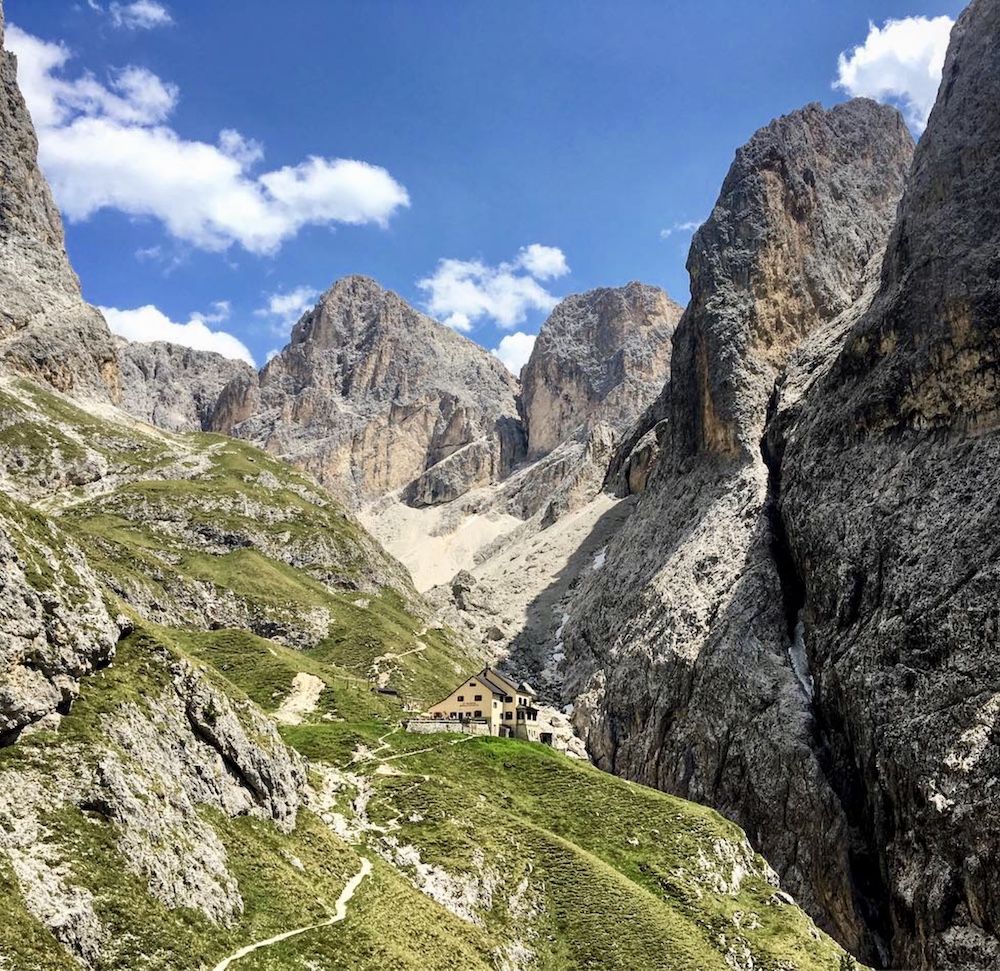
(489,135)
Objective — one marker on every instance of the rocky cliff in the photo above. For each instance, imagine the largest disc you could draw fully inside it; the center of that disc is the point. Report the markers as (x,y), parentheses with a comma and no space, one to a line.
(46,329)
(601,356)
(55,625)
(888,485)
(681,652)
(371,396)
(175,387)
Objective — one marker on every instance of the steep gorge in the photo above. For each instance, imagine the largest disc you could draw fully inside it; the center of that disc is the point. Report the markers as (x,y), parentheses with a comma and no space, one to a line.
(858,596)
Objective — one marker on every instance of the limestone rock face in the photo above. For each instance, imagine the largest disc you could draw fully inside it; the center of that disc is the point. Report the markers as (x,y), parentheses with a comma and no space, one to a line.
(889,484)
(600,356)
(55,627)
(801,214)
(175,387)
(371,396)
(680,651)
(46,329)
(637,454)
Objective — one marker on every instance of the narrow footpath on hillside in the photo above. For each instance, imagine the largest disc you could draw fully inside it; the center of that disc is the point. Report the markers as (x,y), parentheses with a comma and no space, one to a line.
(339,913)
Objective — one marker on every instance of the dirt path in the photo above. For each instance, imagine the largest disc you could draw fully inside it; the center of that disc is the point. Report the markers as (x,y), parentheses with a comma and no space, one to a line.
(339,913)
(301,700)
(432,748)
(383,677)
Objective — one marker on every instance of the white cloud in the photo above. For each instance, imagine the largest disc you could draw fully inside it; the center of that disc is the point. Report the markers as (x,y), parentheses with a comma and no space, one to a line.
(220,312)
(245,150)
(286,309)
(462,292)
(139,15)
(514,350)
(900,62)
(146,324)
(132,96)
(107,146)
(334,190)
(543,262)
(685,227)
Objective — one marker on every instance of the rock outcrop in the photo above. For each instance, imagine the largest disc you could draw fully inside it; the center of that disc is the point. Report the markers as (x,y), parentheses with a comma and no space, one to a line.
(371,396)
(680,651)
(888,498)
(54,623)
(175,387)
(159,769)
(600,357)
(637,455)
(46,329)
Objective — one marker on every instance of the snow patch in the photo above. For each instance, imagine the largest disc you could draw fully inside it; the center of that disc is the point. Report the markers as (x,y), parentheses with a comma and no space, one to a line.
(800,660)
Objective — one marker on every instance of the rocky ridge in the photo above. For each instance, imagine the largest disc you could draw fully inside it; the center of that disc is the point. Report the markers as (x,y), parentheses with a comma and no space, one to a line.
(426,433)
(174,387)
(46,328)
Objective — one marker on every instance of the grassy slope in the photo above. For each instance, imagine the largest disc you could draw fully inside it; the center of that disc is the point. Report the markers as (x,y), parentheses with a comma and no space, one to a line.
(158,526)
(285,880)
(611,870)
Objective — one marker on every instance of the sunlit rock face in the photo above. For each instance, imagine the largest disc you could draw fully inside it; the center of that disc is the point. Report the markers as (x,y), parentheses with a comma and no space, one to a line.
(371,396)
(679,650)
(46,329)
(601,356)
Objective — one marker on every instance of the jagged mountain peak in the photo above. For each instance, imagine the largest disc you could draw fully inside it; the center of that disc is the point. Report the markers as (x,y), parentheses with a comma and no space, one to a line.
(611,315)
(801,216)
(602,355)
(357,312)
(373,396)
(351,305)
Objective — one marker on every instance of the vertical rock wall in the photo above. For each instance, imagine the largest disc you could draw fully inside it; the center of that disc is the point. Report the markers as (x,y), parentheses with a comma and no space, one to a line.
(46,329)
(679,651)
(889,501)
